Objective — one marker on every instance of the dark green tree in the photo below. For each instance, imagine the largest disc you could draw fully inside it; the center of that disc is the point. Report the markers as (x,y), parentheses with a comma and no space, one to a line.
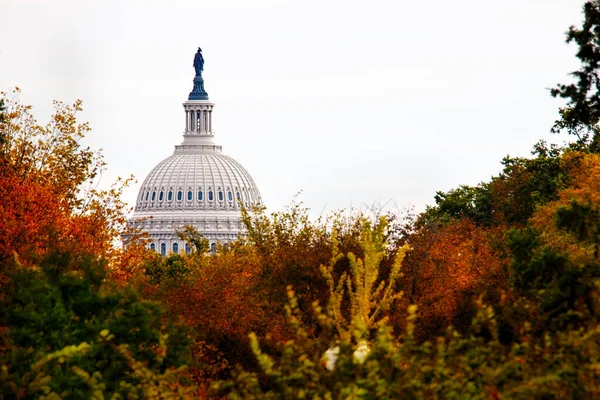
(70,333)
(581,115)
(473,202)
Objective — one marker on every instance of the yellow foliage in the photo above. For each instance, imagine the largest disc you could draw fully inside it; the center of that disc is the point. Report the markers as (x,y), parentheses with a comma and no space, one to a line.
(369,295)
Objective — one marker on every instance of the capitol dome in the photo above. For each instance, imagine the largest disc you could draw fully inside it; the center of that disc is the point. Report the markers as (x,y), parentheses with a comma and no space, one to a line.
(198,181)
(198,185)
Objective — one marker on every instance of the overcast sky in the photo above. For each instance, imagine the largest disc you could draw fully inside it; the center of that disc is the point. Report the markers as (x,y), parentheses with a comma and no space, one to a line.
(351,102)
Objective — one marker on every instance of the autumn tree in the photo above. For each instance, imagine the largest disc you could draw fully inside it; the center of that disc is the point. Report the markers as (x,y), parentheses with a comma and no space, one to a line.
(556,258)
(369,296)
(221,297)
(291,248)
(49,185)
(195,240)
(66,329)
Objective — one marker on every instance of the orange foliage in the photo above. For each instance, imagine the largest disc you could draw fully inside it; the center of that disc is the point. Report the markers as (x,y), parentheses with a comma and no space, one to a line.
(30,212)
(33,215)
(222,301)
(584,169)
(47,182)
(223,291)
(449,264)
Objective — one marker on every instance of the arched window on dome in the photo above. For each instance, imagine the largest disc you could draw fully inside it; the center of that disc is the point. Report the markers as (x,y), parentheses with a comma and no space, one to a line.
(179,195)
(199,195)
(230,196)
(220,195)
(163,249)
(170,195)
(175,248)
(153,196)
(147,194)
(211,197)
(213,248)
(190,196)
(237,195)
(160,195)
(152,247)
(188,250)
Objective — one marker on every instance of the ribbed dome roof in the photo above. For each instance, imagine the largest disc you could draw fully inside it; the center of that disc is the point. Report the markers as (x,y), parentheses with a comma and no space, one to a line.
(197,180)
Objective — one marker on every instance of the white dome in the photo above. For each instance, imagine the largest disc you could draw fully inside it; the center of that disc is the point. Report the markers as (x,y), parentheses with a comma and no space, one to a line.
(197,186)
(198,181)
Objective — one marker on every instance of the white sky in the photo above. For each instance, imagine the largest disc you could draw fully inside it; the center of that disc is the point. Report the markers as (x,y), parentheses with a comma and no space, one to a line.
(351,102)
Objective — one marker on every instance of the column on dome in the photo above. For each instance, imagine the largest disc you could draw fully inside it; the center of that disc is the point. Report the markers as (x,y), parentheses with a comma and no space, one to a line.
(192,121)
(201,119)
(200,127)
(210,121)
(187,120)
(198,122)
(205,117)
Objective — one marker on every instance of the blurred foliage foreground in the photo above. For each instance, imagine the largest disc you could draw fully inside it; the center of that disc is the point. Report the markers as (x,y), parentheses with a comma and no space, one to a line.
(491,293)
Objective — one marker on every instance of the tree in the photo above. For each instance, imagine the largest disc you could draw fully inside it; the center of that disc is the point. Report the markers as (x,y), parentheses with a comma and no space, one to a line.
(473,365)
(48,186)
(198,243)
(67,330)
(221,298)
(81,335)
(581,115)
(450,266)
(556,258)
(2,134)
(369,295)
(527,183)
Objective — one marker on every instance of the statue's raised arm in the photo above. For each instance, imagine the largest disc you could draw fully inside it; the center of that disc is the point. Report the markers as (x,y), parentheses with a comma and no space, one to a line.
(198,62)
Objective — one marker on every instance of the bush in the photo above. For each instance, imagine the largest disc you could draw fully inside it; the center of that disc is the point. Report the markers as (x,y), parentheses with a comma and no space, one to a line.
(71,333)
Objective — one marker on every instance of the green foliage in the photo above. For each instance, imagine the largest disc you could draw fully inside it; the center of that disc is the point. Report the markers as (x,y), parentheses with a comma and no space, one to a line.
(198,243)
(511,197)
(581,115)
(454,366)
(80,334)
(473,202)
(527,183)
(581,219)
(173,267)
(563,288)
(290,248)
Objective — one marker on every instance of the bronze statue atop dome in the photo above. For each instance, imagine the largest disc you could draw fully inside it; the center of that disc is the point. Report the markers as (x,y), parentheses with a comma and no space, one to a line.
(198,62)
(198,92)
